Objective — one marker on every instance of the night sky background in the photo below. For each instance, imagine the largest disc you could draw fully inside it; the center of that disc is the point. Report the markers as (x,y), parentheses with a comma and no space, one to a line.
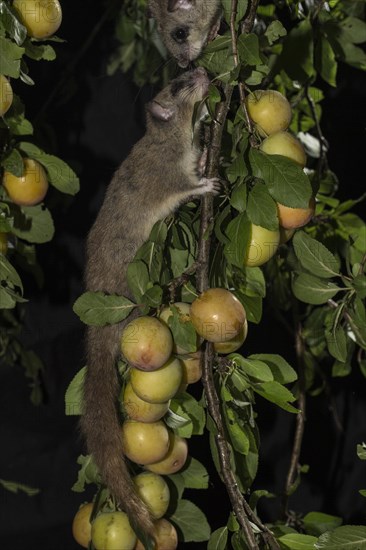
(91,121)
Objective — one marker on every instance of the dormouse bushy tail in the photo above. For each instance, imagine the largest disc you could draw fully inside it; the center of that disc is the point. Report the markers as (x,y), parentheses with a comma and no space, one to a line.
(101,424)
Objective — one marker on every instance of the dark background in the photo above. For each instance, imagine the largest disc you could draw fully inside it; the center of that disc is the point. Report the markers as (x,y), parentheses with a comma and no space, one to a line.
(91,120)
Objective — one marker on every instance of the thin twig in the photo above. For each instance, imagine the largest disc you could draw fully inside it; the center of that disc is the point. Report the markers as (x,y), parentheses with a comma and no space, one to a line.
(294,468)
(181,280)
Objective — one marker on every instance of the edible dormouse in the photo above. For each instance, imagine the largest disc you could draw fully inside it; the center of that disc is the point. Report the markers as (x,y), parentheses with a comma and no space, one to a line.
(160,173)
(185,25)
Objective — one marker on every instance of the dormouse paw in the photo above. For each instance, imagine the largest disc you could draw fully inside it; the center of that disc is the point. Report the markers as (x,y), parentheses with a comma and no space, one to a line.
(210,185)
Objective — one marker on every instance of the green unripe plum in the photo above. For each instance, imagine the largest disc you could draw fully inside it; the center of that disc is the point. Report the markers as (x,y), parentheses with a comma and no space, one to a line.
(174,460)
(154,492)
(160,385)
(138,409)
(145,443)
(112,531)
(263,244)
(235,343)
(165,535)
(269,110)
(217,315)
(285,144)
(146,343)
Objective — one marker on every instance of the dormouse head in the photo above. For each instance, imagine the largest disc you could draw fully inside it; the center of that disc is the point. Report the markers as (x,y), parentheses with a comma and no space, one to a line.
(184,25)
(176,101)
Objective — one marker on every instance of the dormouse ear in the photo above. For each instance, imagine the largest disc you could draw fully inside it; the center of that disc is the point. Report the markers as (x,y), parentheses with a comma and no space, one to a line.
(158,111)
(180,4)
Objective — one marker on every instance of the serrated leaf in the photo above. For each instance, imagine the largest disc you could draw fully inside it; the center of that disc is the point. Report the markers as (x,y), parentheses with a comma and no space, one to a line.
(316,523)
(253,306)
(314,256)
(238,231)
(237,433)
(9,274)
(297,54)
(218,539)
(15,487)
(33,224)
(74,394)
(137,278)
(194,474)
(252,367)
(347,537)
(39,51)
(298,542)
(361,451)
(337,343)
(60,175)
(248,49)
(88,473)
(326,61)
(276,393)
(286,181)
(10,56)
(241,9)
(99,309)
(188,407)
(261,208)
(191,521)
(313,290)
(13,162)
(153,297)
(354,29)
(274,31)
(238,199)
(281,370)
(11,24)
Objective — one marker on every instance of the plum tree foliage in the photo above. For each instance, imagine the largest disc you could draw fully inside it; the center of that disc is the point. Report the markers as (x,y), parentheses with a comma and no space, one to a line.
(314,276)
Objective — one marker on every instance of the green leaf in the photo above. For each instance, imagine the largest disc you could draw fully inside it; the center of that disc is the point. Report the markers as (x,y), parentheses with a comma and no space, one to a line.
(99,309)
(33,224)
(261,208)
(242,7)
(8,274)
(88,473)
(15,487)
(248,49)
(276,393)
(253,306)
(183,331)
(347,537)
(11,24)
(217,57)
(239,235)
(252,367)
(298,542)
(286,181)
(153,297)
(274,31)
(13,162)
(39,51)
(194,474)
(238,199)
(10,56)
(316,523)
(326,61)
(314,256)
(186,406)
(137,278)
(354,29)
(297,54)
(282,372)
(361,451)
(312,290)
(74,394)
(337,343)
(191,522)
(218,539)
(59,173)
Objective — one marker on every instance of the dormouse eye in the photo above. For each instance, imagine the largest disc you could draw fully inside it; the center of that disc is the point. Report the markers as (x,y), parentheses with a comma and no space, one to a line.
(180,34)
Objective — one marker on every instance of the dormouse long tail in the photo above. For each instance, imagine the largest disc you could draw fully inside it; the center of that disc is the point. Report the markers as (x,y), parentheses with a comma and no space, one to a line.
(101,424)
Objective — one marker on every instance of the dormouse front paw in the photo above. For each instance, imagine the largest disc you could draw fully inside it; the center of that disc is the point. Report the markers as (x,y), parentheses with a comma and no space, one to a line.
(210,185)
